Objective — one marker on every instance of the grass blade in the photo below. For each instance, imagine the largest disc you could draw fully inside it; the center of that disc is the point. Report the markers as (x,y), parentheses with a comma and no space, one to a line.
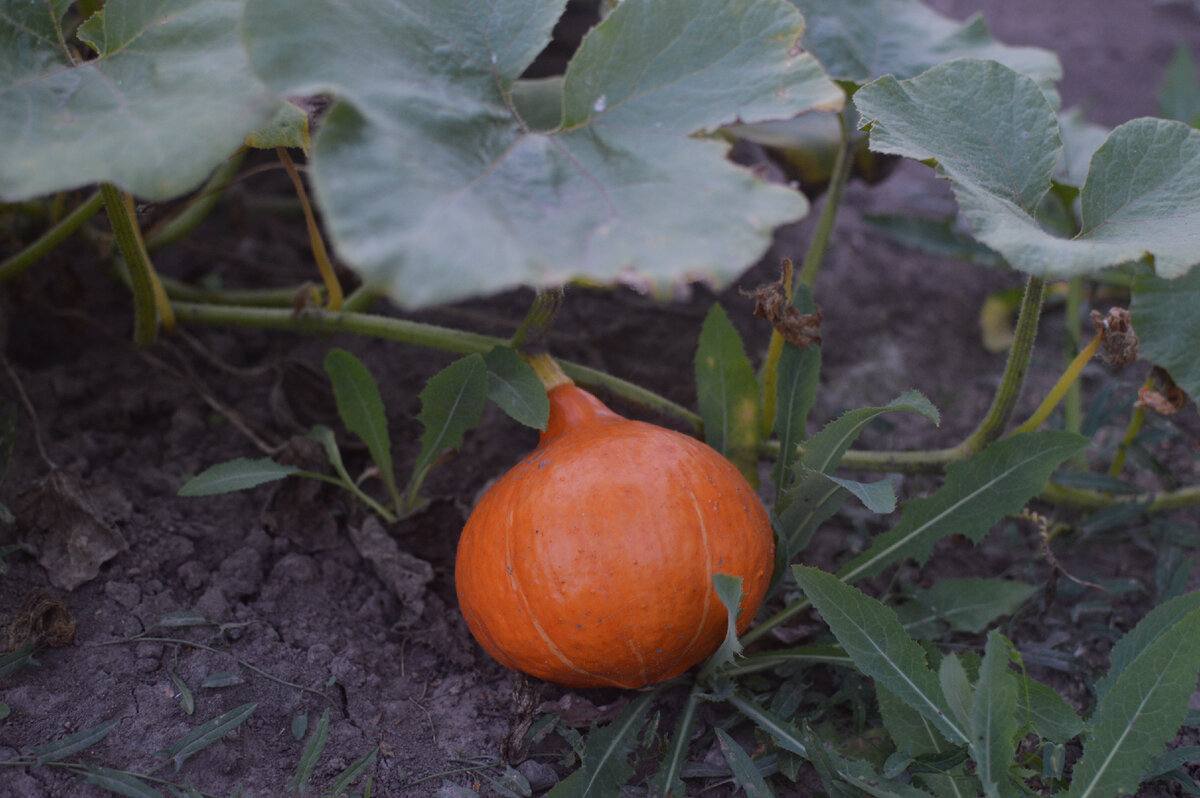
(311,755)
(120,782)
(361,408)
(352,773)
(1141,712)
(235,475)
(745,773)
(207,733)
(874,638)
(727,393)
(993,722)
(977,493)
(59,750)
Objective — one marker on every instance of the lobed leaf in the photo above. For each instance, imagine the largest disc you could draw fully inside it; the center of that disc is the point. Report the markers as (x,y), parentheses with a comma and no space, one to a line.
(515,388)
(239,474)
(451,404)
(424,154)
(727,393)
(167,97)
(873,637)
(977,493)
(1140,713)
(361,408)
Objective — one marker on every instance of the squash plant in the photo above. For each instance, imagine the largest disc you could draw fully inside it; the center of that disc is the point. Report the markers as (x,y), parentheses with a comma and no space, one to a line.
(434,149)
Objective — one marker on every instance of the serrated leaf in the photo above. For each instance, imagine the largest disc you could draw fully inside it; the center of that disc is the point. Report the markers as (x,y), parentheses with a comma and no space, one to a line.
(59,750)
(824,450)
(1166,315)
(993,724)
(873,637)
(451,404)
(515,388)
(352,773)
(977,493)
(785,735)
(119,782)
(310,756)
(996,138)
(859,40)
(207,733)
(168,96)
(811,501)
(1051,717)
(878,497)
(1152,626)
(745,774)
(606,767)
(1140,713)
(239,474)
(1179,97)
(727,393)
(361,408)
(729,590)
(797,377)
(911,731)
(423,155)
(971,604)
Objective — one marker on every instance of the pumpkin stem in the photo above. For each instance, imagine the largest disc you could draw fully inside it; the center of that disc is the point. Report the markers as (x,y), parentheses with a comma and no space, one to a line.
(530,337)
(547,370)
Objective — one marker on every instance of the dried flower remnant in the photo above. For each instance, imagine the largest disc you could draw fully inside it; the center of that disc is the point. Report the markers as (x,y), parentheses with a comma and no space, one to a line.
(771,302)
(1119,343)
(1161,395)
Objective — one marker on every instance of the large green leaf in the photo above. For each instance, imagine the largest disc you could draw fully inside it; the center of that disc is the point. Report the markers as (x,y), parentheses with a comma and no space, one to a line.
(169,95)
(873,637)
(978,492)
(1166,315)
(860,40)
(1140,713)
(434,188)
(1154,625)
(993,722)
(996,138)
(727,393)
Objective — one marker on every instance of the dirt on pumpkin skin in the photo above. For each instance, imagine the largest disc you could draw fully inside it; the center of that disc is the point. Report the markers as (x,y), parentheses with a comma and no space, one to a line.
(319,611)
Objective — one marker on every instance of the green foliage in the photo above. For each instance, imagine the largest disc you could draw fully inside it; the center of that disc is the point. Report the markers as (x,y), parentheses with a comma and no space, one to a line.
(206,734)
(516,389)
(797,379)
(361,408)
(239,474)
(311,755)
(1179,98)
(1167,317)
(727,393)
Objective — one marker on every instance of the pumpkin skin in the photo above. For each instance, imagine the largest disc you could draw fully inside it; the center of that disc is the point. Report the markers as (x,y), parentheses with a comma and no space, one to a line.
(590,562)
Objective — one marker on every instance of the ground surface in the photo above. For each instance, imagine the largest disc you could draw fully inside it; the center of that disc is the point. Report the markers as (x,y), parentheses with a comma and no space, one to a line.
(391,658)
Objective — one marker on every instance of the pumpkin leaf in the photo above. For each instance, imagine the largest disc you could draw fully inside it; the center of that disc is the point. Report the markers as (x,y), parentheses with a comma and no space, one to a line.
(239,474)
(866,39)
(873,637)
(515,388)
(745,773)
(288,128)
(1140,198)
(727,393)
(206,734)
(1140,713)
(168,96)
(977,493)
(59,750)
(361,408)
(1166,315)
(993,723)
(617,186)
(940,237)
(606,766)
(797,377)
(451,404)
(729,590)
(1152,626)
(310,756)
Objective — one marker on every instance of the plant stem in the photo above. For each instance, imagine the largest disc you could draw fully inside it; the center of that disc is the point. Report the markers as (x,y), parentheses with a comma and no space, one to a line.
(1157,502)
(833,199)
(1073,403)
(50,239)
(324,322)
(146,294)
(1131,432)
(198,207)
(1059,390)
(784,615)
(769,375)
(1013,380)
(547,370)
(530,337)
(314,233)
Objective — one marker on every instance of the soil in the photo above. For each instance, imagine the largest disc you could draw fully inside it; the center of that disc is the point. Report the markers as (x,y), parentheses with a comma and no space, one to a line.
(308,623)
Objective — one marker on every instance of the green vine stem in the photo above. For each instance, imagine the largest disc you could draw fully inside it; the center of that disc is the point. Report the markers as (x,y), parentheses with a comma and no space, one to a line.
(1092,500)
(1073,403)
(1136,420)
(530,337)
(198,207)
(1013,380)
(833,199)
(62,230)
(141,273)
(324,322)
(1068,378)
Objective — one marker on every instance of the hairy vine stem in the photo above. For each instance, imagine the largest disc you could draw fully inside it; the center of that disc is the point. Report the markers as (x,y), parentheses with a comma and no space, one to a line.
(50,239)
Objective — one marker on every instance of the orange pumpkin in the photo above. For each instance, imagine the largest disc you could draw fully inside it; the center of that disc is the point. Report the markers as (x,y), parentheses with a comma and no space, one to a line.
(590,563)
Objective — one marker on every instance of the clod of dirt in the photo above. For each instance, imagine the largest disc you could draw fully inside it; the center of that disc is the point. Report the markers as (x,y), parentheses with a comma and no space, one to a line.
(299,508)
(62,528)
(405,575)
(42,620)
